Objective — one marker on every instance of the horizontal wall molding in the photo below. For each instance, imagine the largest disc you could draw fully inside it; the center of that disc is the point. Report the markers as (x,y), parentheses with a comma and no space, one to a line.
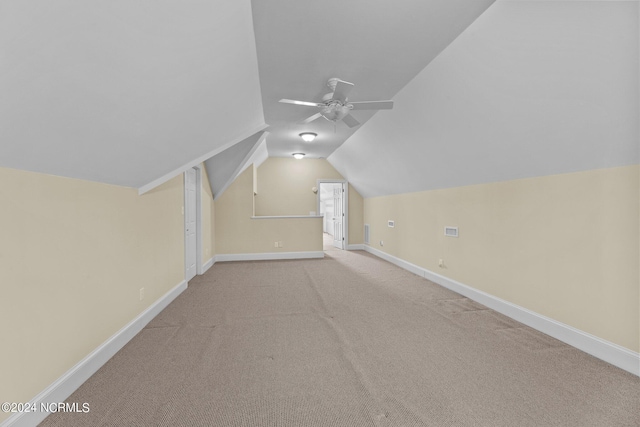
(266,256)
(609,352)
(356,247)
(69,382)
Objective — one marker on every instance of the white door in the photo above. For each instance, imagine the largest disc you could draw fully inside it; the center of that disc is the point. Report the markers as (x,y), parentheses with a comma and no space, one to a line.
(338,216)
(190,223)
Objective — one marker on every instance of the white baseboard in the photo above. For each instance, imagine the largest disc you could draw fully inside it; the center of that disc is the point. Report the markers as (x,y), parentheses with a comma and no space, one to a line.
(609,352)
(397,261)
(356,247)
(69,382)
(207,265)
(269,256)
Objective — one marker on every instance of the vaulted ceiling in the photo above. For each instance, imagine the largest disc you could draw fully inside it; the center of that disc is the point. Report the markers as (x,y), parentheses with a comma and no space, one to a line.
(531,88)
(377,45)
(125,92)
(133,93)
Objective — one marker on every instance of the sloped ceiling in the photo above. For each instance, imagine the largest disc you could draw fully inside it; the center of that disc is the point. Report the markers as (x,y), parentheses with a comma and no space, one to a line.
(132,93)
(125,92)
(224,168)
(377,45)
(531,88)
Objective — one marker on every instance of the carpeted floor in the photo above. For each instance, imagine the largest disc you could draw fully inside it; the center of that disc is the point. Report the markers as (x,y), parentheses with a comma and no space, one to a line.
(348,340)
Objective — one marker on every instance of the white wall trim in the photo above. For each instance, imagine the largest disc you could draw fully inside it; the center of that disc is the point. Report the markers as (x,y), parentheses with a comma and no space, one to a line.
(195,162)
(356,247)
(69,382)
(269,256)
(397,261)
(207,265)
(611,353)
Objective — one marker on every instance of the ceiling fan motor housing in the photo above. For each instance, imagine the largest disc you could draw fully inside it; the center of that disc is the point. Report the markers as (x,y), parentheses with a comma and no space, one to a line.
(334,111)
(335,105)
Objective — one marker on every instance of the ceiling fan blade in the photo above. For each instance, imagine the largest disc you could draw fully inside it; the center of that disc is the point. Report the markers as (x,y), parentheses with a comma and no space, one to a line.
(350,121)
(372,105)
(342,90)
(312,118)
(305,103)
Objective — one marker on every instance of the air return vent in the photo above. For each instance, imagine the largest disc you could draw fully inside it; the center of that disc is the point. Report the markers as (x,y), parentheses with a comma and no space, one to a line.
(451,231)
(366,233)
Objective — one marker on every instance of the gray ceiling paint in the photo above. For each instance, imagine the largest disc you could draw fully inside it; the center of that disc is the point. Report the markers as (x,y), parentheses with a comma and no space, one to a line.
(224,167)
(124,92)
(378,46)
(529,89)
(259,155)
(129,93)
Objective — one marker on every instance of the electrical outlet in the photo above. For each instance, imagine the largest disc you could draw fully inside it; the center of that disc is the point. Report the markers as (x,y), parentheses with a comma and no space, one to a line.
(440,263)
(141,294)
(280,245)
(275,244)
(381,243)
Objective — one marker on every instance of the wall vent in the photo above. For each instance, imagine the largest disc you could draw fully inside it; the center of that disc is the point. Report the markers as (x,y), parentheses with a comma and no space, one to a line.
(366,233)
(451,231)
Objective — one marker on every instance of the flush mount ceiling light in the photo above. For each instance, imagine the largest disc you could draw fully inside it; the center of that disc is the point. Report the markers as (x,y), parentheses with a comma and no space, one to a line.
(308,136)
(298,155)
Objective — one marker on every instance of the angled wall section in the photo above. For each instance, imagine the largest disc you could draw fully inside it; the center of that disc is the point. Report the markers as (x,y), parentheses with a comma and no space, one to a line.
(224,167)
(507,101)
(126,93)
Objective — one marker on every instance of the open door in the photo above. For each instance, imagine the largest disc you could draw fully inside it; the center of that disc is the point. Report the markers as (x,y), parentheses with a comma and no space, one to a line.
(338,216)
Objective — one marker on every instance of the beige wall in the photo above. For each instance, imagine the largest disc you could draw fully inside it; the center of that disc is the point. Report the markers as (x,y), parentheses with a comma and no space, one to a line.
(284,185)
(565,246)
(284,188)
(237,233)
(356,217)
(73,257)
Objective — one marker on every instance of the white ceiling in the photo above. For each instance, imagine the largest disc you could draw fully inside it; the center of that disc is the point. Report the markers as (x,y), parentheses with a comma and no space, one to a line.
(531,88)
(132,93)
(124,92)
(377,45)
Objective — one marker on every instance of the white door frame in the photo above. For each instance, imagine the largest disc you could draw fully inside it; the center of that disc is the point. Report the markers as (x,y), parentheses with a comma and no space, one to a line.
(199,268)
(345,222)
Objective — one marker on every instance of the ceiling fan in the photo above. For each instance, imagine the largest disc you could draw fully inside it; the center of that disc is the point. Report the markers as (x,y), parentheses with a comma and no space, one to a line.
(336,106)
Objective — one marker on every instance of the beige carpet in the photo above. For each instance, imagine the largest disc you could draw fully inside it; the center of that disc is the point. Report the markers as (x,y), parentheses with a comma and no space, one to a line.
(348,340)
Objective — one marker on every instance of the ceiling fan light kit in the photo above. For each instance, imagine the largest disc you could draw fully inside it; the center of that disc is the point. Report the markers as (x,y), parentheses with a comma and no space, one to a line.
(335,106)
(308,136)
(298,156)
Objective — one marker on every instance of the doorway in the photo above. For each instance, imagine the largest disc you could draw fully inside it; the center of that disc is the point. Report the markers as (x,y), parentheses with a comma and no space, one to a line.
(332,205)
